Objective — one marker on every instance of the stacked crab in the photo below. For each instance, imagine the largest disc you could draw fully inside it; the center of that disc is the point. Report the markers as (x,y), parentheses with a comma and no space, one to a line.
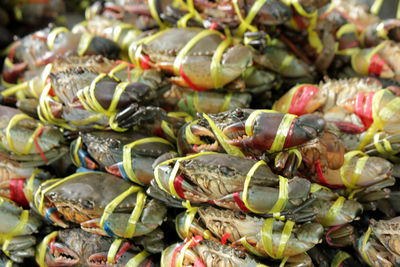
(203,133)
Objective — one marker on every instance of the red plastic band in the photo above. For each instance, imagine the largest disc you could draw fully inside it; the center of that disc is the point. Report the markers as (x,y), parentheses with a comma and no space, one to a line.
(149,263)
(240,203)
(320,173)
(224,238)
(328,239)
(178,186)
(145,62)
(300,99)
(17,191)
(177,249)
(213,26)
(125,246)
(289,135)
(299,22)
(376,65)
(37,144)
(189,82)
(363,108)
(199,263)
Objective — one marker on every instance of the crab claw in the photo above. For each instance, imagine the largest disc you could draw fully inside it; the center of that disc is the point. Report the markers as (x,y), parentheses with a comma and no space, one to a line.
(98,260)
(59,255)
(266,127)
(11,74)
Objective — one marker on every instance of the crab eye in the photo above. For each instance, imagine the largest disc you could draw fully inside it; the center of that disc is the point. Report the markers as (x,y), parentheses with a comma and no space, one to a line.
(87,204)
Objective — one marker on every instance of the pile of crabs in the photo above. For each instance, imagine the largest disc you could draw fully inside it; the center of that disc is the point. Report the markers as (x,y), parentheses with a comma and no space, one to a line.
(204,133)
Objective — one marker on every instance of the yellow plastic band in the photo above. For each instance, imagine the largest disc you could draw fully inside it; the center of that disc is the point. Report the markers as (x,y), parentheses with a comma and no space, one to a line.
(154,14)
(135,58)
(313,37)
(380,116)
(14,89)
(249,247)
(398,11)
(282,133)
(41,249)
(117,31)
(227,101)
(364,243)
(127,155)
(247,183)
(112,251)
(135,216)
(44,110)
(230,149)
(339,258)
(376,6)
(183,52)
(380,29)
(57,183)
(190,137)
(21,225)
(9,263)
(316,187)
(14,120)
(174,171)
(84,43)
(346,28)
(51,38)
(333,212)
(358,169)
(138,259)
(384,147)
(168,130)
(287,60)
(283,195)
(251,119)
(266,237)
(347,51)
(108,210)
(246,23)
(190,214)
(29,186)
(75,156)
(216,63)
(182,253)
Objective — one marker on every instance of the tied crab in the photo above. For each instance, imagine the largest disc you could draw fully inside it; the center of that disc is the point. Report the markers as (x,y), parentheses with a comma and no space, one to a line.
(248,132)
(25,142)
(364,115)
(44,46)
(101,203)
(17,229)
(246,232)
(75,247)
(229,181)
(129,155)
(195,56)
(81,97)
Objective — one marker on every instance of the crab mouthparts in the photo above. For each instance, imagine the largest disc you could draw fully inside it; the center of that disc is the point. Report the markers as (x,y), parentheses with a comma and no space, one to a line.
(63,256)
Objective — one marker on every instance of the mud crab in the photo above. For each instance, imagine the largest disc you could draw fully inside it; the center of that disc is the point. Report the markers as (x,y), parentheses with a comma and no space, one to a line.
(101,203)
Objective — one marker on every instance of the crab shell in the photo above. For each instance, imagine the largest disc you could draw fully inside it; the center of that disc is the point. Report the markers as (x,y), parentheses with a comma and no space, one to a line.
(239,225)
(207,253)
(82,200)
(75,247)
(196,65)
(388,233)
